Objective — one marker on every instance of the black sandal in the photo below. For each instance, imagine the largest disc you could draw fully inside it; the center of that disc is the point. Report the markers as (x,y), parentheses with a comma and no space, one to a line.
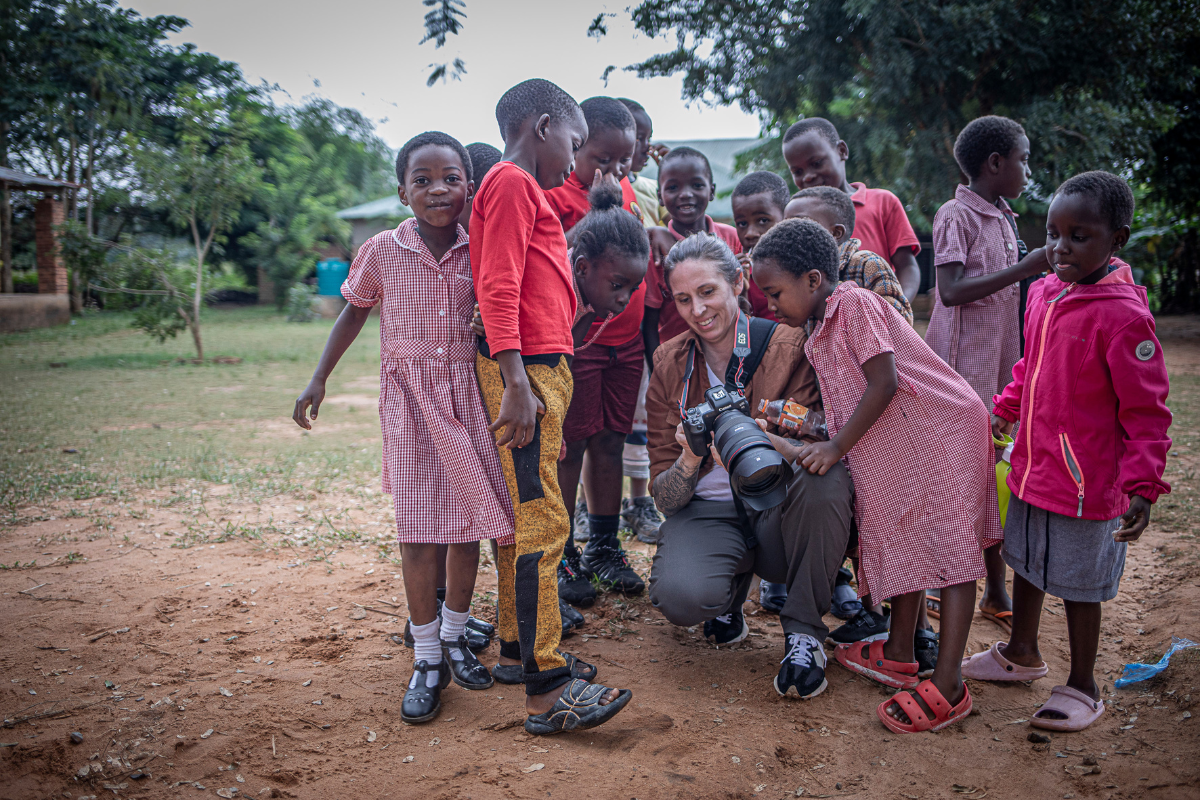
(466,672)
(577,708)
(513,674)
(422,702)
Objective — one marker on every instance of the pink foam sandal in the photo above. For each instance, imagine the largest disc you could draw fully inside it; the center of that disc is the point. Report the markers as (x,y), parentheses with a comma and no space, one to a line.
(1079,709)
(991,666)
(896,674)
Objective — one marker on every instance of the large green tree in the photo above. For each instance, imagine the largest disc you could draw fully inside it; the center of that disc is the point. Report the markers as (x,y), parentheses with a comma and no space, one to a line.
(900,79)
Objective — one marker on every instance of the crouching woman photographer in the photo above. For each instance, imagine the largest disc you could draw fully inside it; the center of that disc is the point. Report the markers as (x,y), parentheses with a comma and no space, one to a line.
(713,542)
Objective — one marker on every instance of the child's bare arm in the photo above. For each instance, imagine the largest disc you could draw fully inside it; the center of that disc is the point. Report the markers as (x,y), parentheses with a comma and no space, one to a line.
(344,332)
(650,337)
(519,406)
(882,382)
(904,263)
(957,290)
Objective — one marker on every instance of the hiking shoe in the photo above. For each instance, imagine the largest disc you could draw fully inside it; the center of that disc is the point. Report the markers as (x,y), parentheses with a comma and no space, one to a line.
(803,668)
(583,531)
(609,565)
(728,628)
(573,585)
(772,596)
(641,516)
(925,646)
(571,619)
(864,625)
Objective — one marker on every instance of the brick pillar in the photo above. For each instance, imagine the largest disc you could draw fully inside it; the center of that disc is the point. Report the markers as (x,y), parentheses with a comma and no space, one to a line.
(52,273)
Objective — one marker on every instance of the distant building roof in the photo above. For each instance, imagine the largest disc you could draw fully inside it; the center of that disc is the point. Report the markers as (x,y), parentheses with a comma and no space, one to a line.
(382,208)
(721,154)
(17,179)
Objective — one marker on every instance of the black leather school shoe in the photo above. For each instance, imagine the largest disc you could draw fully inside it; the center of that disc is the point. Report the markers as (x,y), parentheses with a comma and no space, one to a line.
(422,703)
(571,619)
(468,672)
(479,626)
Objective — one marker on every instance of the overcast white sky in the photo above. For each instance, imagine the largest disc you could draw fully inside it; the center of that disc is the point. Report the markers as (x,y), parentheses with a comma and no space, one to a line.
(364,54)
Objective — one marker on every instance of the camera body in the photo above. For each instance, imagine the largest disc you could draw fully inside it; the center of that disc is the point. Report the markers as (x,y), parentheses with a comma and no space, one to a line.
(700,420)
(758,474)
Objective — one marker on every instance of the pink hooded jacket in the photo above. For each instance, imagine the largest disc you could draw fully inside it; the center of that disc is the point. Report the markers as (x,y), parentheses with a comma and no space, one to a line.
(1090,395)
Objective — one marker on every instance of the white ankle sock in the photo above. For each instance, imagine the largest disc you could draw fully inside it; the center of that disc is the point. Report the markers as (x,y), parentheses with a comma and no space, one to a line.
(454,623)
(427,648)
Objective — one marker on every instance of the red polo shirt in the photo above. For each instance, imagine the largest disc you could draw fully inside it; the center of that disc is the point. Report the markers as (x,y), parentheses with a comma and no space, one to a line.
(880,223)
(570,202)
(519,264)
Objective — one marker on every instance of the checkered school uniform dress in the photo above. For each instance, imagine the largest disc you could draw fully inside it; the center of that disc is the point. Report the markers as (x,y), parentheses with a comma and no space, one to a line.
(440,462)
(980,340)
(924,476)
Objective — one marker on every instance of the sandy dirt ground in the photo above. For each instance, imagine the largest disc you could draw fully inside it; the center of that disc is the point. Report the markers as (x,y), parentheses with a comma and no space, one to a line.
(222,663)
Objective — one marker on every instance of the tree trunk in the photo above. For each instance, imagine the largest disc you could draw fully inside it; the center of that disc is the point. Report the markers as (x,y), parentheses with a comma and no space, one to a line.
(198,296)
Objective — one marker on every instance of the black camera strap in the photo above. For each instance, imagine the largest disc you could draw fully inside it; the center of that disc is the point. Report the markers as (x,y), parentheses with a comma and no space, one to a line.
(750,345)
(753,336)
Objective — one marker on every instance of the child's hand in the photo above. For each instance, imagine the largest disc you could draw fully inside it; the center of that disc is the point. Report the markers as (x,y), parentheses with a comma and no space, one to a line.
(313,395)
(819,457)
(786,447)
(477,322)
(1133,521)
(519,410)
(661,242)
(658,152)
(1000,427)
(611,180)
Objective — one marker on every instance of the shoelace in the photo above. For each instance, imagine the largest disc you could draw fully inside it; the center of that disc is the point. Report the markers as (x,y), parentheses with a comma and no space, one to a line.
(800,653)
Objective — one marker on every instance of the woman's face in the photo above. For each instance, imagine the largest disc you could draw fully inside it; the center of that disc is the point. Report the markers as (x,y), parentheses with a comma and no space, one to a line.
(705,300)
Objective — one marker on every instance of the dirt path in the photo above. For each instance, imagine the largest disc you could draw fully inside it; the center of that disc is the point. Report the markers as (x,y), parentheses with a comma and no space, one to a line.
(242,662)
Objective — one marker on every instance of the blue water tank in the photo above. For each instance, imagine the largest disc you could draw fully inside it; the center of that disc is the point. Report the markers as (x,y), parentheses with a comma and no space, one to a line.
(331,274)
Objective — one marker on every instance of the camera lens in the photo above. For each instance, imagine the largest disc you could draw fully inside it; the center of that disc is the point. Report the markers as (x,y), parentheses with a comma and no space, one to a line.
(757,472)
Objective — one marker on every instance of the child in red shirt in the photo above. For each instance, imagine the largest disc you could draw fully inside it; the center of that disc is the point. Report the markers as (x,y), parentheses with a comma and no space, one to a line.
(527,302)
(817,156)
(685,186)
(607,370)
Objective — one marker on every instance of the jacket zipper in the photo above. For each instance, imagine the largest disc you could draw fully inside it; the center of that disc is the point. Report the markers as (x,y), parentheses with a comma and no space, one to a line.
(1073,468)
(1027,424)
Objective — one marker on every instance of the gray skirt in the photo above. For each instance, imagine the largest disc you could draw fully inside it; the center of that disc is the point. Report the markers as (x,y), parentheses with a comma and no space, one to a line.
(1075,559)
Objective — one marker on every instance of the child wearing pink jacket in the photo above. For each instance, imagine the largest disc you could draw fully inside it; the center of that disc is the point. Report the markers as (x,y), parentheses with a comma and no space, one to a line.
(1090,396)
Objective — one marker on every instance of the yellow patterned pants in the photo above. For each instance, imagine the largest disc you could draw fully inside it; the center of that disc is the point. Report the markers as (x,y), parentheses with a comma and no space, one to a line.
(529,624)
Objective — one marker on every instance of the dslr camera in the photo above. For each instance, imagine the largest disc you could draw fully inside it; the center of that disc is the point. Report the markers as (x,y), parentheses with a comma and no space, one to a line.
(758,474)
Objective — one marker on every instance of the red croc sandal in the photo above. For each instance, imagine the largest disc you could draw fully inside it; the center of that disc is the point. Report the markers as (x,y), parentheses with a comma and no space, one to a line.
(896,674)
(943,714)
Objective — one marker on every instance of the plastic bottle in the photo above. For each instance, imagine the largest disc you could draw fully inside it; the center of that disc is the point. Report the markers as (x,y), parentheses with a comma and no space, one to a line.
(790,415)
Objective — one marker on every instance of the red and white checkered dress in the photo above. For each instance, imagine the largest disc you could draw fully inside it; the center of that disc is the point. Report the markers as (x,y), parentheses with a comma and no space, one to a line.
(980,340)
(924,475)
(440,462)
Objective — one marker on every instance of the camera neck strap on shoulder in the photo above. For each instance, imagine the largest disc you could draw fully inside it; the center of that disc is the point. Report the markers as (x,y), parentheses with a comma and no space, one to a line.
(752,335)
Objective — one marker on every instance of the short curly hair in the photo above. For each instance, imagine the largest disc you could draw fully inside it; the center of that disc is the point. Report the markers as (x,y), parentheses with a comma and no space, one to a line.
(982,137)
(483,158)
(1111,194)
(534,96)
(431,138)
(681,152)
(799,246)
(837,200)
(606,113)
(764,182)
(820,125)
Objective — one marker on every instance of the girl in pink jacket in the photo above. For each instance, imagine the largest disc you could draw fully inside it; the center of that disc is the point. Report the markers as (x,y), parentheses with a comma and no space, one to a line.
(1090,396)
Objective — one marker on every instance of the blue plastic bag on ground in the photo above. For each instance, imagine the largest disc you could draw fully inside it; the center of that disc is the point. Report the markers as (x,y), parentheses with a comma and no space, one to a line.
(1139,672)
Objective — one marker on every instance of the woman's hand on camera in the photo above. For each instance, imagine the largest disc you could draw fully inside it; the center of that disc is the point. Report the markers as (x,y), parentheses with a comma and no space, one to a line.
(687,457)
(817,458)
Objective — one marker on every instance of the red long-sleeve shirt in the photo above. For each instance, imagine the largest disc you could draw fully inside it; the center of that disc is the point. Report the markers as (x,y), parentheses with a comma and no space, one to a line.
(519,265)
